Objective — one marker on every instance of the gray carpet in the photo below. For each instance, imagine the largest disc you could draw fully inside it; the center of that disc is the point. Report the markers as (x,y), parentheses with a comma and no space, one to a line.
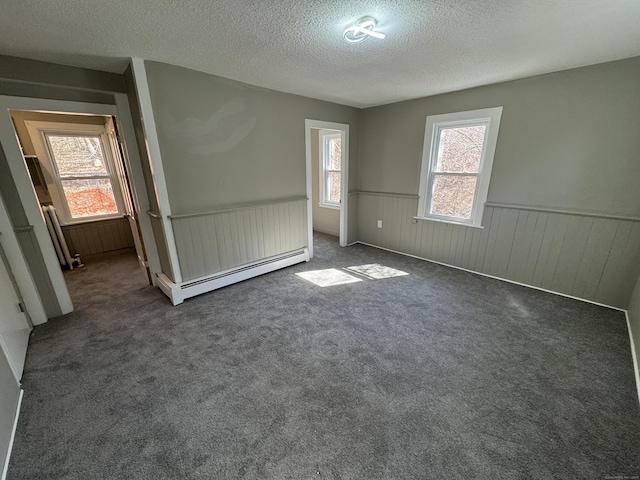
(435,374)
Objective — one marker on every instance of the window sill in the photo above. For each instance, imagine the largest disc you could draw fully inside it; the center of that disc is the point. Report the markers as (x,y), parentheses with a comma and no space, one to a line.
(430,219)
(332,207)
(92,220)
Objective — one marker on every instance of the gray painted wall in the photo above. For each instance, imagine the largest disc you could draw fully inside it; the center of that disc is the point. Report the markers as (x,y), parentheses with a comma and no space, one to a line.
(18,69)
(634,318)
(9,394)
(568,142)
(226,143)
(325,220)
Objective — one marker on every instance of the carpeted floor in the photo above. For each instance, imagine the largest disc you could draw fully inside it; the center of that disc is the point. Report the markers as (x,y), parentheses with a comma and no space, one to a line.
(436,373)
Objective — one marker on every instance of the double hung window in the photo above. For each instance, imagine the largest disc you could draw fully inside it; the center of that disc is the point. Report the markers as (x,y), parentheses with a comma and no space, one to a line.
(456,165)
(331,166)
(79,171)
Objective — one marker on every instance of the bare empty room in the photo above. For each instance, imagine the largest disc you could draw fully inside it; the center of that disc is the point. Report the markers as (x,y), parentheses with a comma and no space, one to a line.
(303,239)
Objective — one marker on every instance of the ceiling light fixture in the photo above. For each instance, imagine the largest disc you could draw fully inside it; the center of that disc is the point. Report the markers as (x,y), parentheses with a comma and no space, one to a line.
(362,30)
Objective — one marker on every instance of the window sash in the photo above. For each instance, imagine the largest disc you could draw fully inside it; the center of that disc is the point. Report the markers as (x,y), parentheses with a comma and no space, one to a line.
(435,125)
(58,178)
(327,170)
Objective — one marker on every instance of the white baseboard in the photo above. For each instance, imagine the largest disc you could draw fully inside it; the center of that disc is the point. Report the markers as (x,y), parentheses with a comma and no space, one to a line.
(327,231)
(179,292)
(5,469)
(636,367)
(494,277)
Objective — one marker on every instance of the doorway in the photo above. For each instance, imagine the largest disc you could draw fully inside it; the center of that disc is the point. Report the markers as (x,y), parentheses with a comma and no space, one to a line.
(79,175)
(51,296)
(327,160)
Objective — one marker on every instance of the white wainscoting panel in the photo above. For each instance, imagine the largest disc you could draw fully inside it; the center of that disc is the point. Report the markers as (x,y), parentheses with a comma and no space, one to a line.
(212,242)
(593,257)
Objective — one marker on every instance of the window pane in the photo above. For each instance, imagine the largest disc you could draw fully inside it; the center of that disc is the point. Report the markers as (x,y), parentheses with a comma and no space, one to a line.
(77,156)
(89,197)
(453,196)
(460,149)
(333,187)
(335,154)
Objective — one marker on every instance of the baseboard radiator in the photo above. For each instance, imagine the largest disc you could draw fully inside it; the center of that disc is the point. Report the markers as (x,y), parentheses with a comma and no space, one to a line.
(57,237)
(179,292)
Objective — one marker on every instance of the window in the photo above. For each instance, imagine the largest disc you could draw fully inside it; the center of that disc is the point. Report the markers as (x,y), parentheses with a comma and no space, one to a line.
(331,165)
(456,165)
(79,171)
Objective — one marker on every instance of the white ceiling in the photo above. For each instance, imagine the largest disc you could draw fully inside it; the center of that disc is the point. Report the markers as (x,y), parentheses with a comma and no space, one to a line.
(296,46)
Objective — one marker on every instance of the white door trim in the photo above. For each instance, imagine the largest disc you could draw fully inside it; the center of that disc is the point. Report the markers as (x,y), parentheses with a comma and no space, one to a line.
(153,149)
(138,186)
(344,178)
(20,270)
(21,177)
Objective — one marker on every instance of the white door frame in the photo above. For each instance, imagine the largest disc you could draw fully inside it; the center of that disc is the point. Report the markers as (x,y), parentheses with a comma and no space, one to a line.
(344,177)
(20,269)
(20,174)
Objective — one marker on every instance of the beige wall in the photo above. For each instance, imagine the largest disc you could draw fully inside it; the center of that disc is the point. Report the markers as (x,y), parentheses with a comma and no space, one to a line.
(325,220)
(19,117)
(225,143)
(567,140)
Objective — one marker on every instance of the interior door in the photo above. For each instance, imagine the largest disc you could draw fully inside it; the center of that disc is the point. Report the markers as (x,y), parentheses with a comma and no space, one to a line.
(120,163)
(14,325)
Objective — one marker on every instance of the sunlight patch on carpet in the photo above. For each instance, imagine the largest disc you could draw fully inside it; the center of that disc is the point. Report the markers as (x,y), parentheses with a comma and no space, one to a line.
(328,277)
(375,271)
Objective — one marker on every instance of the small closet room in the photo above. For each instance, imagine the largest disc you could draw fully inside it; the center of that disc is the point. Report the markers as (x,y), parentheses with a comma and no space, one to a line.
(79,175)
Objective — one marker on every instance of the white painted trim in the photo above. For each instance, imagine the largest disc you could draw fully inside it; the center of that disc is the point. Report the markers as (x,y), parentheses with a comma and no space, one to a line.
(329,206)
(488,116)
(493,276)
(344,128)
(237,208)
(439,220)
(37,131)
(5,469)
(322,164)
(136,176)
(636,367)
(170,289)
(309,186)
(20,269)
(157,171)
(179,292)
(562,211)
(23,183)
(29,199)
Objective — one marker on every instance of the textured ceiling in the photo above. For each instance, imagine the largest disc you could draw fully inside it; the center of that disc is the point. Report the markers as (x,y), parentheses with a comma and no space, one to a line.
(296,46)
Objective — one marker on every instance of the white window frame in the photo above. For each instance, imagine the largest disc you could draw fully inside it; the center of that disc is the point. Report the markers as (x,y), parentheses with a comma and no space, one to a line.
(434,126)
(38,131)
(325,136)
